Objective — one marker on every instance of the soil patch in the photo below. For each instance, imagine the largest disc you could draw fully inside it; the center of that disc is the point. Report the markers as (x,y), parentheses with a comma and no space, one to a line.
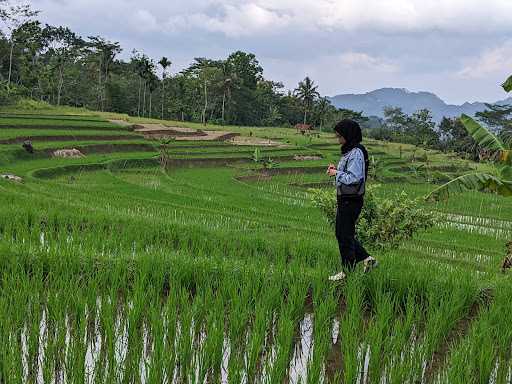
(210,136)
(159,131)
(11,177)
(244,140)
(153,128)
(101,148)
(68,153)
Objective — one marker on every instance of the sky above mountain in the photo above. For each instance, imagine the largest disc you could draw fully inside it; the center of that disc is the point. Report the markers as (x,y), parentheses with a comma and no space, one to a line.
(459,49)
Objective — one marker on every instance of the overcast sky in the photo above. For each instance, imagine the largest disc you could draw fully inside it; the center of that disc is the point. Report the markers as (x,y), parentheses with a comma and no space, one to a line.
(459,49)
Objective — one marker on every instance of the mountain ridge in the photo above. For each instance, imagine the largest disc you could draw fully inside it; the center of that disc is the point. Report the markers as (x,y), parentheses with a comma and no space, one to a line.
(372,103)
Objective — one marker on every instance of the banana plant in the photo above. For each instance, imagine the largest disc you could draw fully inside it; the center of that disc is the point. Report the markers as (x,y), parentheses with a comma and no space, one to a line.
(499,181)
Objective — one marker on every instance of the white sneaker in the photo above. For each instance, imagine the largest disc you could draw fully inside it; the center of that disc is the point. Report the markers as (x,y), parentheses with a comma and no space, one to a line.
(370,263)
(338,277)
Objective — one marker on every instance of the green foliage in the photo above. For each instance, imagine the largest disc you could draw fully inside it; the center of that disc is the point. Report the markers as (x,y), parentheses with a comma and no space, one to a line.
(25,104)
(475,181)
(417,129)
(507,85)
(456,138)
(383,223)
(481,135)
(9,95)
(256,156)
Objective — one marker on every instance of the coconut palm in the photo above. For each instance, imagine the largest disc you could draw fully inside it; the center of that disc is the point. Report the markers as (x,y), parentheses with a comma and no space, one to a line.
(500,149)
(164,63)
(307,92)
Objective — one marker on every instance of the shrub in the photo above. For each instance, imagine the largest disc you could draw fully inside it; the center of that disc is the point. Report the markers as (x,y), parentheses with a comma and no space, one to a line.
(8,95)
(32,105)
(383,223)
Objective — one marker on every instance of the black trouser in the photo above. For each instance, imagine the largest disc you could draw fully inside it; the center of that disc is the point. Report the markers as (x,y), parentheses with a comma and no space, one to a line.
(351,251)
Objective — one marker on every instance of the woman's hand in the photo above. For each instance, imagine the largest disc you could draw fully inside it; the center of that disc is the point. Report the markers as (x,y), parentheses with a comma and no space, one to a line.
(331,170)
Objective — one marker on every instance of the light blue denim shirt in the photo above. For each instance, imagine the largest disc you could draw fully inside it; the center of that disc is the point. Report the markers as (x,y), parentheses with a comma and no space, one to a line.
(351,168)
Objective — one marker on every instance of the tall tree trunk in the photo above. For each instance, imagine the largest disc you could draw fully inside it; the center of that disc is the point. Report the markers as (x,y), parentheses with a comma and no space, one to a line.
(140,90)
(205,103)
(305,114)
(104,89)
(144,100)
(10,61)
(163,97)
(223,107)
(150,104)
(60,84)
(99,85)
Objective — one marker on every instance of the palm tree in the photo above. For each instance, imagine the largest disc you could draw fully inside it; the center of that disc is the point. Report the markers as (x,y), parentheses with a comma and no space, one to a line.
(307,92)
(499,181)
(323,108)
(164,63)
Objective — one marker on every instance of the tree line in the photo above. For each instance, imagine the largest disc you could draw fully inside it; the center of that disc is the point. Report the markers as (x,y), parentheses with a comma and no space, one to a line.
(56,65)
(449,135)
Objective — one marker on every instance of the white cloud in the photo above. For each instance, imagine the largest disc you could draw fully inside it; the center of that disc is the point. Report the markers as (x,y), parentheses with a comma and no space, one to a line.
(245,17)
(234,20)
(248,17)
(363,61)
(493,61)
(344,45)
(144,21)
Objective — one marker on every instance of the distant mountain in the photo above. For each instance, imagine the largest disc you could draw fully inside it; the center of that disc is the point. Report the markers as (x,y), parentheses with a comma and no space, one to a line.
(373,103)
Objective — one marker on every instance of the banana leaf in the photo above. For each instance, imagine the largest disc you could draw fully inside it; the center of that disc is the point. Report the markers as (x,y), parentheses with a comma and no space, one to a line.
(469,182)
(482,135)
(506,172)
(507,85)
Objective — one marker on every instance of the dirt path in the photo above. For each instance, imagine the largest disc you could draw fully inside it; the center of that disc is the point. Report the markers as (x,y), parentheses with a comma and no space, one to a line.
(244,140)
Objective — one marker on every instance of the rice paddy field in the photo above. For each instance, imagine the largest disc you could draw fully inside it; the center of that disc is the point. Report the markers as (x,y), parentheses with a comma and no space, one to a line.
(214,269)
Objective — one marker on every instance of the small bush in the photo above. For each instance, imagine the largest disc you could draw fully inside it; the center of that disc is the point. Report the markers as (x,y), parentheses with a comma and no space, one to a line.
(383,223)
(8,95)
(32,105)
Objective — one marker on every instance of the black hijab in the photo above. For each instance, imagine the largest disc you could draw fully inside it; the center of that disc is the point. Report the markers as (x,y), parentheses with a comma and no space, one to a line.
(351,131)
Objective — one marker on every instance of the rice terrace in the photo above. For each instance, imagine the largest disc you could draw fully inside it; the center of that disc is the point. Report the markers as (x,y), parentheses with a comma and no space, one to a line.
(160,228)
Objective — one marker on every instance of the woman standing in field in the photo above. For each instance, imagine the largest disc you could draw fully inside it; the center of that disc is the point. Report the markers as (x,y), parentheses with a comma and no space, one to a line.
(350,179)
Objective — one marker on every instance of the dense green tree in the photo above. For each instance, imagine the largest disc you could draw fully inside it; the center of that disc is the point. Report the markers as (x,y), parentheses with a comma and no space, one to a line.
(455,137)
(104,52)
(13,17)
(422,129)
(497,117)
(307,92)
(64,47)
(395,120)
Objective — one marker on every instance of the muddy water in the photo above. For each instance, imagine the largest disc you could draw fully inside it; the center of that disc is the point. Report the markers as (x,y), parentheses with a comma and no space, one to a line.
(297,370)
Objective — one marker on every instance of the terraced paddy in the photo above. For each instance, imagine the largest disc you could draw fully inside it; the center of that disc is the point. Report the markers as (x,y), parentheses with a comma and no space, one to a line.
(115,270)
